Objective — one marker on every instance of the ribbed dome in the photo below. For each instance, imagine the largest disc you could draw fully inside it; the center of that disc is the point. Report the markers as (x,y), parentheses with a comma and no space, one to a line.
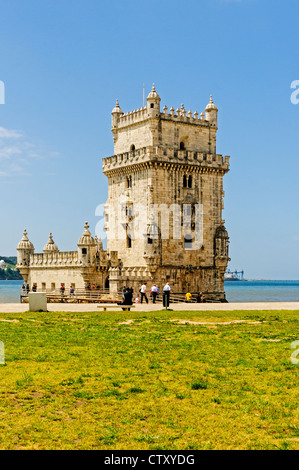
(86,238)
(50,247)
(117,108)
(153,93)
(25,243)
(211,105)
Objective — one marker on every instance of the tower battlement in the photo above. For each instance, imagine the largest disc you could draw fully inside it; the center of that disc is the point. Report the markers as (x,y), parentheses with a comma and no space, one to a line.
(178,129)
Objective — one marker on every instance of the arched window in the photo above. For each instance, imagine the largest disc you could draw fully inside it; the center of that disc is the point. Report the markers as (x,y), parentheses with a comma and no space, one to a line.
(182,146)
(190,181)
(84,251)
(132,147)
(184,181)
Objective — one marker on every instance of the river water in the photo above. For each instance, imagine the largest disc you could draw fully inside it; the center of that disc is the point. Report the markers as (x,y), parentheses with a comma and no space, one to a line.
(236,291)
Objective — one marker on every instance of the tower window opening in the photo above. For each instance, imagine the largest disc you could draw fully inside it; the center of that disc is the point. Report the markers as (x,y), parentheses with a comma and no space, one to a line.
(182,146)
(149,240)
(184,181)
(129,241)
(190,181)
(152,105)
(132,148)
(129,181)
(84,251)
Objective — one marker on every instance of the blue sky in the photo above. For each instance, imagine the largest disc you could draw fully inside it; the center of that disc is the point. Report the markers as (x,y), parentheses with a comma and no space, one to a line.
(64,63)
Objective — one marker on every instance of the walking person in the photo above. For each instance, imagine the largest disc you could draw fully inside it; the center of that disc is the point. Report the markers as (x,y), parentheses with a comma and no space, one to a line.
(143,293)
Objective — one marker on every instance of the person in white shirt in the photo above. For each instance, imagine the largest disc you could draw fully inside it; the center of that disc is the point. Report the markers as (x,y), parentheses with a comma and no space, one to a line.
(167,290)
(154,292)
(143,293)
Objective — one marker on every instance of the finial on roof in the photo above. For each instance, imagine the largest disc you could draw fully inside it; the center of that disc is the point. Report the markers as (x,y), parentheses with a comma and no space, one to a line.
(117,109)
(211,104)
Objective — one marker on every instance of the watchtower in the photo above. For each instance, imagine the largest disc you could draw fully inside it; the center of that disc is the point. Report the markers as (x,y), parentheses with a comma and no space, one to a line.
(165,200)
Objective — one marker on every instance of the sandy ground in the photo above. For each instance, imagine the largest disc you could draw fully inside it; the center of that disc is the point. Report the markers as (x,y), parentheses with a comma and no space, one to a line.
(64,307)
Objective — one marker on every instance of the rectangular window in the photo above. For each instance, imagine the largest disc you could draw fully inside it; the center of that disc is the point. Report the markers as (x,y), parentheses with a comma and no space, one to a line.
(129,241)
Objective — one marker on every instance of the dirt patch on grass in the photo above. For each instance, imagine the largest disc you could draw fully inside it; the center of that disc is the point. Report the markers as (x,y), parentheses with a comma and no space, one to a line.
(126,322)
(208,323)
(10,321)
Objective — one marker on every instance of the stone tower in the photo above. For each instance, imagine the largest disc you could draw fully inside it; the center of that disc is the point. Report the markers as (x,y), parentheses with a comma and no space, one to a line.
(25,249)
(163,215)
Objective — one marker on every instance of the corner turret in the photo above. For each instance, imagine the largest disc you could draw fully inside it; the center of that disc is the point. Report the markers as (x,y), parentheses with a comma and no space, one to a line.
(153,103)
(86,247)
(116,113)
(25,249)
(211,112)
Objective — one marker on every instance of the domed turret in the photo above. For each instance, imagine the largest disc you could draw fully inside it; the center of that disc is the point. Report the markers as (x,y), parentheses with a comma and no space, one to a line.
(221,242)
(116,113)
(153,103)
(25,243)
(86,238)
(51,247)
(25,249)
(211,112)
(86,246)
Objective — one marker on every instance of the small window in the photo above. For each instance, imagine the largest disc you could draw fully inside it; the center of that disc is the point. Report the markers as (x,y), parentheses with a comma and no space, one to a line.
(129,181)
(152,105)
(190,181)
(129,241)
(53,286)
(84,251)
(43,286)
(182,146)
(184,181)
(132,147)
(149,240)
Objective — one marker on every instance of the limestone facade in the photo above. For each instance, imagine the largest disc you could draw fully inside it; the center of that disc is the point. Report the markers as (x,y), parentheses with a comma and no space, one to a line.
(163,215)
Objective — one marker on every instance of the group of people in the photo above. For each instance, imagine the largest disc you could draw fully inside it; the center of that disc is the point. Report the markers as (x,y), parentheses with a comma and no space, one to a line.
(154,292)
(143,294)
(26,288)
(199,298)
(128,293)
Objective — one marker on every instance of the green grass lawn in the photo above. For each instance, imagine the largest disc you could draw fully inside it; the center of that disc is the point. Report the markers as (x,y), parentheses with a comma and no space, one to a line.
(131,380)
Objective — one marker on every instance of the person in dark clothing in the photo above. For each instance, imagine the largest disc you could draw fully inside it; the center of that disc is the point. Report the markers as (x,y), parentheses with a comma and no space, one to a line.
(127,298)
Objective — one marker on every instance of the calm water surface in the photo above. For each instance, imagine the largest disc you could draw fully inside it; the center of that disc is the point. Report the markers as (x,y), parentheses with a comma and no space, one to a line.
(10,291)
(238,291)
(262,291)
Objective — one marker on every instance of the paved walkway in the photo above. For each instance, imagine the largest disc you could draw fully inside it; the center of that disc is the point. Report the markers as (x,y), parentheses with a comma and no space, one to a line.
(64,307)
